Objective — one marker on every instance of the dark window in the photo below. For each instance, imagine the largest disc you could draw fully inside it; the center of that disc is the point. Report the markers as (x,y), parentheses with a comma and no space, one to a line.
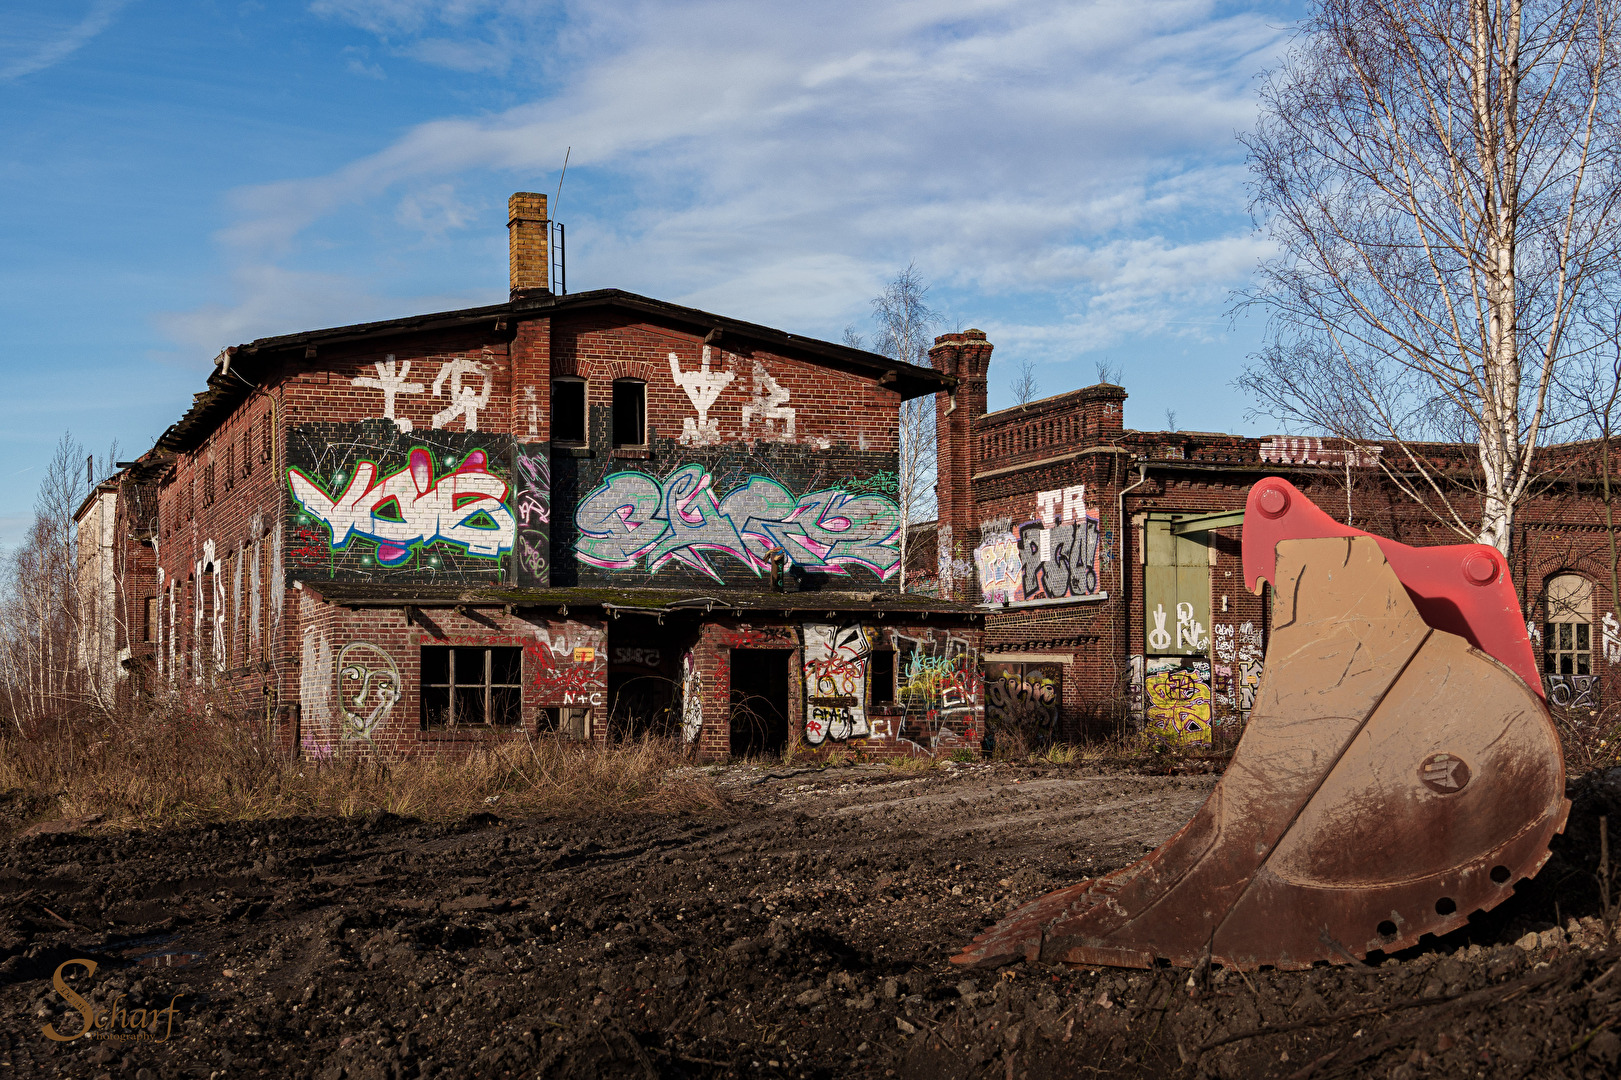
(881,678)
(230,466)
(208,484)
(265,438)
(630,412)
(568,410)
(467,687)
(247,455)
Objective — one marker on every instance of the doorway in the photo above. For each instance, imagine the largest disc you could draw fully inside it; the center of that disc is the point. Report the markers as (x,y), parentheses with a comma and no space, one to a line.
(760,701)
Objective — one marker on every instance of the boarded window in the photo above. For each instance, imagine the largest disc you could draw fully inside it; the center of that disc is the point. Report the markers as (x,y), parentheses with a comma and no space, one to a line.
(568,410)
(1568,632)
(1176,589)
(471,686)
(630,412)
(151,629)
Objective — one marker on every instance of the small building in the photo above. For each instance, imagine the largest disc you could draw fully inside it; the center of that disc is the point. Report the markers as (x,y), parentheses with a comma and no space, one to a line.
(1110,559)
(590,515)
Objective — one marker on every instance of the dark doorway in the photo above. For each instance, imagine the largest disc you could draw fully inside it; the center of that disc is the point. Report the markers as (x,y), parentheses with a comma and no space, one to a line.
(760,701)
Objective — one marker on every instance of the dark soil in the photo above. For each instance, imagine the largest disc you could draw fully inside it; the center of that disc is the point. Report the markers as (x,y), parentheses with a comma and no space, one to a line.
(804,934)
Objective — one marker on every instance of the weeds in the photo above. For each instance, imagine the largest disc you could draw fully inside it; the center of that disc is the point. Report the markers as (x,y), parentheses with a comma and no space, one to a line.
(180,768)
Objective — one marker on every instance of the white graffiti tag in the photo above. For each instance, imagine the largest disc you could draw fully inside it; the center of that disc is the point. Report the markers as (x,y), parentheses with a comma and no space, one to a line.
(391,382)
(703,387)
(409,508)
(368,687)
(1190,632)
(463,400)
(1612,638)
(770,405)
(1158,638)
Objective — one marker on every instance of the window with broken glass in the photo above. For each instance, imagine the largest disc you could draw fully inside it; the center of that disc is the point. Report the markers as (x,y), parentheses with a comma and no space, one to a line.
(468,686)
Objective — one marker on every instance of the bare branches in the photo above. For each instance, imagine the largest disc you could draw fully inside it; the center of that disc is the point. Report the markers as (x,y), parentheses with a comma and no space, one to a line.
(1024,386)
(1443,181)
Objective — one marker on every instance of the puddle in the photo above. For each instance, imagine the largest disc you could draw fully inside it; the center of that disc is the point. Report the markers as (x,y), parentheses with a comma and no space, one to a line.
(169,959)
(144,952)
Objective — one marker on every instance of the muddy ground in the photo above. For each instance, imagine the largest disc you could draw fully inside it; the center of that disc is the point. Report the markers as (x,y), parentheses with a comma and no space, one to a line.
(803,934)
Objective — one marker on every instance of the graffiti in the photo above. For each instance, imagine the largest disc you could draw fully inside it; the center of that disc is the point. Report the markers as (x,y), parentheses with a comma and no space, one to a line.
(1573,691)
(368,687)
(1001,578)
(1610,638)
(1534,632)
(1189,631)
(409,509)
(216,612)
(1309,450)
(1249,642)
(835,661)
(939,688)
(631,516)
(692,698)
(311,544)
(1222,640)
(1050,558)
(569,664)
(531,500)
(703,387)
(1159,639)
(392,382)
(464,401)
(1177,693)
(1249,684)
(1134,688)
(636,657)
(1023,698)
(1221,686)
(769,406)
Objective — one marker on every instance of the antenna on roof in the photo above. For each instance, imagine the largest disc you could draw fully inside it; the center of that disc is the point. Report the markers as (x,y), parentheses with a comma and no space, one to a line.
(559,196)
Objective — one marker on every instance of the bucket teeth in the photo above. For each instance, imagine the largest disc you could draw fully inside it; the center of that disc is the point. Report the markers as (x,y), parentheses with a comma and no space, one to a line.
(1390,780)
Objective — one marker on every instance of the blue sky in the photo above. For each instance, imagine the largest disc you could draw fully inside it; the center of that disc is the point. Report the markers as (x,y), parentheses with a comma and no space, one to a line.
(181,176)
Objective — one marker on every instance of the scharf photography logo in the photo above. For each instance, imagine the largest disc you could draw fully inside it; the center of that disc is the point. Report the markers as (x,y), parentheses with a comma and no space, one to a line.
(114,1023)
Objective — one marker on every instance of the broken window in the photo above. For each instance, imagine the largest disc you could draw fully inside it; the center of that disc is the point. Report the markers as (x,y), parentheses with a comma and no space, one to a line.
(1568,633)
(630,412)
(466,686)
(568,410)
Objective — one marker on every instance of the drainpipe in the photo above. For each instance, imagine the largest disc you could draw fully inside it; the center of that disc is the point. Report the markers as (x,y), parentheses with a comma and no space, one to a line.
(1125,567)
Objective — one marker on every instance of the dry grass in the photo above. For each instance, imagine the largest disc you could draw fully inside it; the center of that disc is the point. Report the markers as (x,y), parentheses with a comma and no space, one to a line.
(186,769)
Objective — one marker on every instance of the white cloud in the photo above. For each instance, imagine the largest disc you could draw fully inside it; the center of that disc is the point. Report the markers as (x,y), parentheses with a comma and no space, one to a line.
(45,46)
(778,160)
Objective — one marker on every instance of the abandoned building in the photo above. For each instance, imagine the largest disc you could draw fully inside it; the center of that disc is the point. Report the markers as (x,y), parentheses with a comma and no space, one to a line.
(1110,558)
(592,514)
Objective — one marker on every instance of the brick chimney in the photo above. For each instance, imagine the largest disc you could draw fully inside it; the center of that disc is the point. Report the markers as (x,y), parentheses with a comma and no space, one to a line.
(526,243)
(966,356)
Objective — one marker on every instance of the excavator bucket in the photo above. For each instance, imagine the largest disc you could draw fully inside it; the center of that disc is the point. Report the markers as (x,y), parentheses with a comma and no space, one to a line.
(1398,771)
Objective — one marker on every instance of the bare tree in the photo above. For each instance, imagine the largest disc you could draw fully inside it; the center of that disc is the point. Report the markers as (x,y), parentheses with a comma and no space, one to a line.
(1441,178)
(41,666)
(1024,386)
(1108,373)
(905,330)
(1170,419)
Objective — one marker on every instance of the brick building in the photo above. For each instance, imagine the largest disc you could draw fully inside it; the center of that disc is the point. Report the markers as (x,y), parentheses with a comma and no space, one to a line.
(1110,558)
(592,514)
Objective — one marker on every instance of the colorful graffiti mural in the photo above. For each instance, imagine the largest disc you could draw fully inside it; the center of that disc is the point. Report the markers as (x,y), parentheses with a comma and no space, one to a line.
(368,687)
(940,690)
(835,667)
(531,499)
(1023,698)
(632,516)
(1057,554)
(409,509)
(1176,693)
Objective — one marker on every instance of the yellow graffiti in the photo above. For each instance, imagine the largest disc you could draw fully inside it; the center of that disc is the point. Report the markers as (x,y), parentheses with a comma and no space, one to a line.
(1178,705)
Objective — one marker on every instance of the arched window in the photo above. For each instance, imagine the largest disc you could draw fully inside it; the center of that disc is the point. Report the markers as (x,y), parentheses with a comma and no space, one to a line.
(1568,632)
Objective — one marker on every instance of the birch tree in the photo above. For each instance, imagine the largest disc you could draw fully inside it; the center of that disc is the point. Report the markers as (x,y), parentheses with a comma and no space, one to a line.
(1440,178)
(905,330)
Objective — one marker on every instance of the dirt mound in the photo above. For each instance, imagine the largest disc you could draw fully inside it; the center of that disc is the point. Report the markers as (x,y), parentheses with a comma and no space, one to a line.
(804,932)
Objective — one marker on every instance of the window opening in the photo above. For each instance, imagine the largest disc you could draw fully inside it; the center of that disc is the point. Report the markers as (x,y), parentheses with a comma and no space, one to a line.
(471,687)
(1568,633)
(568,410)
(630,412)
